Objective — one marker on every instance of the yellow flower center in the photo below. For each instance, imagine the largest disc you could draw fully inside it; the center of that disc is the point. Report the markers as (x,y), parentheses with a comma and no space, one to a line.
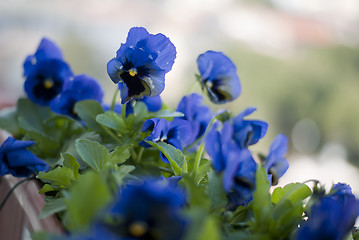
(138,229)
(48,83)
(132,72)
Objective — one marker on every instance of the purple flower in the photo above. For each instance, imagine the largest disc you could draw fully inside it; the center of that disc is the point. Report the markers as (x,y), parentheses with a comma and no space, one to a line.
(82,87)
(218,77)
(141,64)
(15,159)
(275,163)
(45,73)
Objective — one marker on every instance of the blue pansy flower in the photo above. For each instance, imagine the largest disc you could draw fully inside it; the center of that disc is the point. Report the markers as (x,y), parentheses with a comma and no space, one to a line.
(147,211)
(340,189)
(236,164)
(153,104)
(177,133)
(276,164)
(332,218)
(82,87)
(219,77)
(248,132)
(196,113)
(45,73)
(141,64)
(15,159)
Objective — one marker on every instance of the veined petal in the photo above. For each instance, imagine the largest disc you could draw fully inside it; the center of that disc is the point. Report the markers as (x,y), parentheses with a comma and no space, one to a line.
(165,50)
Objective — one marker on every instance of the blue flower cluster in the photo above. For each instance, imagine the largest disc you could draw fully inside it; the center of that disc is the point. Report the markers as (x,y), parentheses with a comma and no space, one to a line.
(49,80)
(206,153)
(331,217)
(227,145)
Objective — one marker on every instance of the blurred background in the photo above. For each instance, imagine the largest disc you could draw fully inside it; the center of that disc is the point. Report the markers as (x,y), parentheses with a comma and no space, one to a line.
(298,61)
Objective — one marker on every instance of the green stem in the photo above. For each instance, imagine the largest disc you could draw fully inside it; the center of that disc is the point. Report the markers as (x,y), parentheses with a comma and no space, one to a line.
(109,132)
(114,99)
(12,189)
(165,169)
(210,124)
(139,156)
(123,112)
(133,154)
(197,161)
(200,150)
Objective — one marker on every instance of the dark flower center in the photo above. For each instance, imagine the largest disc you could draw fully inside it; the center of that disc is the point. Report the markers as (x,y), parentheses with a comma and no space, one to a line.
(134,83)
(244,182)
(214,93)
(274,175)
(47,88)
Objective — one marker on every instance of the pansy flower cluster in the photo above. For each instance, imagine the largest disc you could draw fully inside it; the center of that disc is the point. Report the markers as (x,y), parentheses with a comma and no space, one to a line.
(137,169)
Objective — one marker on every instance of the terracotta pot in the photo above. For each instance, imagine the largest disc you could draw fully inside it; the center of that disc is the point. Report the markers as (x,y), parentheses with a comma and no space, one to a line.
(19,217)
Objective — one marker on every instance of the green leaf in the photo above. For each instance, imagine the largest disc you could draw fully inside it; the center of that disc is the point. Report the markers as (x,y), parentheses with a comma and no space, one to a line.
(70,148)
(112,120)
(202,170)
(46,188)
(173,155)
(294,192)
(166,114)
(61,176)
(8,120)
(215,190)
(43,235)
(209,230)
(196,193)
(87,110)
(120,154)
(203,226)
(88,196)
(32,116)
(140,110)
(93,153)
(69,161)
(262,202)
(45,147)
(122,172)
(52,205)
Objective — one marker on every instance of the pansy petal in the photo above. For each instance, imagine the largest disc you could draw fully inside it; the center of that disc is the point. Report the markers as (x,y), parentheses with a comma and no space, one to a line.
(180,129)
(113,68)
(48,50)
(279,145)
(135,35)
(153,104)
(213,146)
(165,50)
